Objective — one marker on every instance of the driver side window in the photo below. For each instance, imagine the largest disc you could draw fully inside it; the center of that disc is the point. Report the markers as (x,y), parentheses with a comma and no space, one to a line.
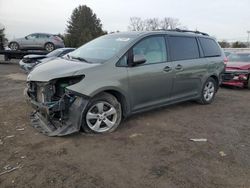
(32,36)
(153,49)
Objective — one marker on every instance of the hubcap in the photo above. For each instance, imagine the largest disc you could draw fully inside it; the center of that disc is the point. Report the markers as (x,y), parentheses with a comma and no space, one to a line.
(13,46)
(208,92)
(101,117)
(49,47)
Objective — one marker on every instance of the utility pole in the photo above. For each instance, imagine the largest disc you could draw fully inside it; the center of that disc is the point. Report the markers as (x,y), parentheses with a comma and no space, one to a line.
(248,42)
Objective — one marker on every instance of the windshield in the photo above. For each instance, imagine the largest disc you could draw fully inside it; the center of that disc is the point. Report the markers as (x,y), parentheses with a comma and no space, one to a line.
(54,53)
(100,49)
(244,57)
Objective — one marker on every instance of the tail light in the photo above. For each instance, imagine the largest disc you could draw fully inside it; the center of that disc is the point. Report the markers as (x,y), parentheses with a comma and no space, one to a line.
(57,38)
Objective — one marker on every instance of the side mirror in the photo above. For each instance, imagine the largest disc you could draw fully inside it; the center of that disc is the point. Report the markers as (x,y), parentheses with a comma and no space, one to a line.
(26,38)
(139,59)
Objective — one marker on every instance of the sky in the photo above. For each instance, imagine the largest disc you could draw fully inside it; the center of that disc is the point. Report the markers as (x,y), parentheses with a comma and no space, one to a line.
(223,19)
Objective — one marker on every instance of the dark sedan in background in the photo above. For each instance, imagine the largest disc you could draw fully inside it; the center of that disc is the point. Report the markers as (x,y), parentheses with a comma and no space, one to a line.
(237,70)
(30,61)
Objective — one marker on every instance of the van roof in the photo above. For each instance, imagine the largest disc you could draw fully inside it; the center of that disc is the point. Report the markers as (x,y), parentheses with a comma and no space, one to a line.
(135,34)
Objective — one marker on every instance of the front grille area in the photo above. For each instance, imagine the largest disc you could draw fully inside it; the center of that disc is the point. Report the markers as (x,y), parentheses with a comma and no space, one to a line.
(227,76)
(40,91)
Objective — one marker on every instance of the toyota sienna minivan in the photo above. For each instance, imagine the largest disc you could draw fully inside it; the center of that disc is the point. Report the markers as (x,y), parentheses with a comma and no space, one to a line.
(120,74)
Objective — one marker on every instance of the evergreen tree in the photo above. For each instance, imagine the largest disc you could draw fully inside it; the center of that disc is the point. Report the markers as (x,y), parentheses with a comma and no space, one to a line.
(82,27)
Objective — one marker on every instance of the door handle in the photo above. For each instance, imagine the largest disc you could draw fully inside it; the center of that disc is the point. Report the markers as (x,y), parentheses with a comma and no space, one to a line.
(167,69)
(179,67)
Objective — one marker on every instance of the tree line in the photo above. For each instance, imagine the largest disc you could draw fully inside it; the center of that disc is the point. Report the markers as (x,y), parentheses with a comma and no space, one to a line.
(151,24)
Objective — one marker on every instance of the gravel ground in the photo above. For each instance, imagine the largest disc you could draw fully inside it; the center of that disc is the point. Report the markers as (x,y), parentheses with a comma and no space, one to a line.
(151,149)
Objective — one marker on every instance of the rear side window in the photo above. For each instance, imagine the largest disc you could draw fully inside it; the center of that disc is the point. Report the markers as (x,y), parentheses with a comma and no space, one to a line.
(182,48)
(210,47)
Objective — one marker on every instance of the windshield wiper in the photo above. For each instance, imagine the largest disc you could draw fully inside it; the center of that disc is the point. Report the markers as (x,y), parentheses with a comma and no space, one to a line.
(79,59)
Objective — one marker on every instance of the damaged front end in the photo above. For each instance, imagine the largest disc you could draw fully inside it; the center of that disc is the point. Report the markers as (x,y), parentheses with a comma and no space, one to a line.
(238,78)
(58,111)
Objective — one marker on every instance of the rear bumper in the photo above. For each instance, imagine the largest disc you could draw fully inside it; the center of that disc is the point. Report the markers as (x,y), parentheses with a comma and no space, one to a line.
(43,120)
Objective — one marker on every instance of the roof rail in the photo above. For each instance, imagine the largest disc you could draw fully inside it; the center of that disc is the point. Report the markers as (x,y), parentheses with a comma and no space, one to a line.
(184,31)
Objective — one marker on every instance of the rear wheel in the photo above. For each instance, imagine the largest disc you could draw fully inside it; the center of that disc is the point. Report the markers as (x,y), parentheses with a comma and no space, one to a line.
(49,47)
(208,91)
(102,115)
(14,46)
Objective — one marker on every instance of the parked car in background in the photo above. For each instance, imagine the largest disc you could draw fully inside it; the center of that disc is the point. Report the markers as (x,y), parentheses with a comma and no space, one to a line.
(227,53)
(121,74)
(37,41)
(237,70)
(30,61)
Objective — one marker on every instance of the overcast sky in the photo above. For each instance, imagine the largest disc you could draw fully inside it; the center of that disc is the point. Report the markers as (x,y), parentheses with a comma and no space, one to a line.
(224,19)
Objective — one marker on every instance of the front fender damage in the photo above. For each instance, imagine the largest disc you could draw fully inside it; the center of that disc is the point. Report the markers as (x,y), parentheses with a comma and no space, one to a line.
(57,110)
(43,120)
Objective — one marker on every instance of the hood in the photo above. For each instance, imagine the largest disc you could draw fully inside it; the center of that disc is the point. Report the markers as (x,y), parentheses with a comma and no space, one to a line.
(58,68)
(238,65)
(47,59)
(34,56)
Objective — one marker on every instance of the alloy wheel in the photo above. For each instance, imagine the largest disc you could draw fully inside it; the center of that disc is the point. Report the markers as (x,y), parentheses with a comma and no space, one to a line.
(101,117)
(209,91)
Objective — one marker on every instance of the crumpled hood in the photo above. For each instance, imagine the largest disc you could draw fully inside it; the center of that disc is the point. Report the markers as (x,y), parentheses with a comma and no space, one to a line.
(57,68)
(33,56)
(238,65)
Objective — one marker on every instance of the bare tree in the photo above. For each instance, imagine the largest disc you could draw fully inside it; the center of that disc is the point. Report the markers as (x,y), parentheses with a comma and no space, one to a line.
(136,24)
(151,24)
(170,23)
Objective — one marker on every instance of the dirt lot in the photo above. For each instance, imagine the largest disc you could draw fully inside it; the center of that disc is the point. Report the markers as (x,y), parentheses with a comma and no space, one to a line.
(149,150)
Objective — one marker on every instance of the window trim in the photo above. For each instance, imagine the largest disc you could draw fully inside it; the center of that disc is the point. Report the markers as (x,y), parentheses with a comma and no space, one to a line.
(194,37)
(204,56)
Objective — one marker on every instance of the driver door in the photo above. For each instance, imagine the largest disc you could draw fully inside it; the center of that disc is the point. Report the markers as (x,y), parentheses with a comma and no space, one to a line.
(29,41)
(150,83)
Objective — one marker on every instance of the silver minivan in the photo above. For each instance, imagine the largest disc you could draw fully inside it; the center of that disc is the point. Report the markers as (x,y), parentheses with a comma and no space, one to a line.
(116,75)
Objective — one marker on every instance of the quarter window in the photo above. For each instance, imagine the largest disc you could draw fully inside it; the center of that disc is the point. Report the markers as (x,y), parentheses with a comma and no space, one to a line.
(210,47)
(153,48)
(182,48)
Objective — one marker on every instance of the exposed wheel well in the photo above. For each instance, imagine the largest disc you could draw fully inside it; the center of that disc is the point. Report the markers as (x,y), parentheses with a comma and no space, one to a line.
(121,98)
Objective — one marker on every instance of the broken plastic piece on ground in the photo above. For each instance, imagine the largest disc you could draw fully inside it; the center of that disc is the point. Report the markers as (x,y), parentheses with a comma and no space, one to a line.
(135,135)
(10,169)
(21,129)
(198,139)
(222,154)
(1,142)
(10,136)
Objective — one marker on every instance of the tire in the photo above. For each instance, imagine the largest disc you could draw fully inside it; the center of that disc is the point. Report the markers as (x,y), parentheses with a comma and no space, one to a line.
(103,114)
(14,46)
(49,47)
(208,91)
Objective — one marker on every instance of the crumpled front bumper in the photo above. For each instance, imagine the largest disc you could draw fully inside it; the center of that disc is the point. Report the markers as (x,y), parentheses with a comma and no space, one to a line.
(229,78)
(44,122)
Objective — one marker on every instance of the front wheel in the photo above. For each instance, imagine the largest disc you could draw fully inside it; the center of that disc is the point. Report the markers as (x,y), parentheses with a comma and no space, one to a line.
(102,115)
(208,91)
(49,47)
(14,46)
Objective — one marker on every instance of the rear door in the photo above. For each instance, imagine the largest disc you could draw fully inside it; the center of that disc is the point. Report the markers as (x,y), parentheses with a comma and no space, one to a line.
(41,39)
(188,67)
(150,83)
